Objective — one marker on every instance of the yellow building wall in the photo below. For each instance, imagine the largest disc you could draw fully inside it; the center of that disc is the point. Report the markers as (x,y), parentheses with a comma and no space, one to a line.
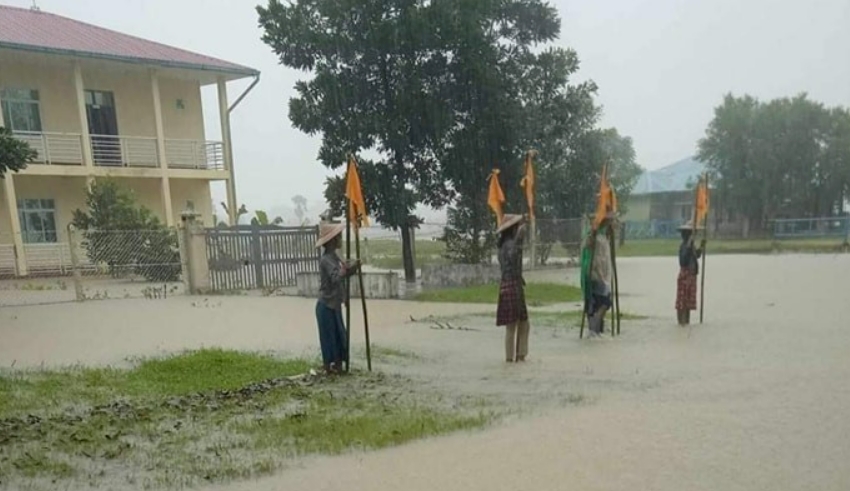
(198,192)
(69,194)
(55,85)
(638,208)
(133,98)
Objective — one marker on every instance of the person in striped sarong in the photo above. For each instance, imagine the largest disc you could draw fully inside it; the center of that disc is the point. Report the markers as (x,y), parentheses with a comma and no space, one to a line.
(686,282)
(511,311)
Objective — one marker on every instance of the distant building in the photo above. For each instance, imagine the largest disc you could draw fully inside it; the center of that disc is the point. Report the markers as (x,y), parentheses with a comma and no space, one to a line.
(663,199)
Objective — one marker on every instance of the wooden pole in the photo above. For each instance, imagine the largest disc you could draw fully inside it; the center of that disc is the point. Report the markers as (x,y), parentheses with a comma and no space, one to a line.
(363,299)
(702,273)
(348,287)
(616,290)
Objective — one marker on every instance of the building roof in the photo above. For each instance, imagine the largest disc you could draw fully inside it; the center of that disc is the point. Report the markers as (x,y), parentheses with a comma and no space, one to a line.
(676,177)
(34,30)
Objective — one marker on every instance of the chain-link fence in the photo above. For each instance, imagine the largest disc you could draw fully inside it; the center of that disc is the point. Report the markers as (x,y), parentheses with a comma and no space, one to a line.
(91,265)
(34,273)
(126,263)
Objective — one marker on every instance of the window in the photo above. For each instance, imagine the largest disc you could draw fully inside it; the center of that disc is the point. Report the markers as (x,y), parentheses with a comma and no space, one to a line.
(21,110)
(38,220)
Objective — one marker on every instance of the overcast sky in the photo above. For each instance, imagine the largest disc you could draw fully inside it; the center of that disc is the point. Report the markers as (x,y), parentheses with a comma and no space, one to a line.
(661,67)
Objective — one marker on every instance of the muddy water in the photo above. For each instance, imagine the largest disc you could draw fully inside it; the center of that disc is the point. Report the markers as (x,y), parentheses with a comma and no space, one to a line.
(756,398)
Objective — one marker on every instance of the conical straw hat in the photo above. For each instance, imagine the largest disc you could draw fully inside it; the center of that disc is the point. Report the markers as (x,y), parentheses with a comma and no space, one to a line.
(328,231)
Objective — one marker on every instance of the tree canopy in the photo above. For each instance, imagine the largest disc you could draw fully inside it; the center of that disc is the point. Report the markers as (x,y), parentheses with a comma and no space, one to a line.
(14,154)
(432,96)
(785,158)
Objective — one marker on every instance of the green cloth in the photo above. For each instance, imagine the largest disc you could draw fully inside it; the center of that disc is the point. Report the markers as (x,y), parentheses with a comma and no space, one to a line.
(586,258)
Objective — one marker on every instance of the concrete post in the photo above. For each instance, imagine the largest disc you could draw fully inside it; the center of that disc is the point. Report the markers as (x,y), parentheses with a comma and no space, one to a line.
(75,263)
(197,270)
(14,220)
(160,151)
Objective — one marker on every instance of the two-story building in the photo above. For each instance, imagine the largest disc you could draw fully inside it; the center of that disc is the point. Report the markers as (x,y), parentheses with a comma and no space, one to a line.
(97,103)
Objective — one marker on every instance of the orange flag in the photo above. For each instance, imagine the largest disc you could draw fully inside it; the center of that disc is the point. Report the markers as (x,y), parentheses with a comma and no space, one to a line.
(495,196)
(606,201)
(354,192)
(528,182)
(702,200)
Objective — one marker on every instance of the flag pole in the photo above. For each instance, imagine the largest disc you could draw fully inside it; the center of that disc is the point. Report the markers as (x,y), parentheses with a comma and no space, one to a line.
(363,296)
(347,282)
(613,245)
(702,273)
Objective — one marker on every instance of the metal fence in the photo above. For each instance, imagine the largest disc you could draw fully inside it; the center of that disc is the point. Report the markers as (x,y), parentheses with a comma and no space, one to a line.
(812,228)
(244,258)
(92,265)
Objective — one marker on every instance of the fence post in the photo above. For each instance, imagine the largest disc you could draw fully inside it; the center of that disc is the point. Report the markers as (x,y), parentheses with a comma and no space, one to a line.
(257,255)
(533,234)
(183,241)
(846,233)
(75,263)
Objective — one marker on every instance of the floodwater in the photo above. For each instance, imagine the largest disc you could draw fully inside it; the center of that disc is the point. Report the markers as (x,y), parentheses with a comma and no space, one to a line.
(756,398)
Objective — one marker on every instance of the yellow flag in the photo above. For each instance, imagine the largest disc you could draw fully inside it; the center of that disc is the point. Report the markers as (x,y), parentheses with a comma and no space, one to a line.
(528,182)
(354,193)
(495,196)
(702,199)
(604,202)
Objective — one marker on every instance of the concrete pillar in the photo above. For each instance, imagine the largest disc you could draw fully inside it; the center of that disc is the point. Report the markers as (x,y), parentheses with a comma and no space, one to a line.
(14,220)
(230,184)
(196,269)
(79,89)
(17,238)
(160,151)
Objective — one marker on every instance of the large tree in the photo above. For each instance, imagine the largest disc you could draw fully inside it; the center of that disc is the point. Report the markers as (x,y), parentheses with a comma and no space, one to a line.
(788,157)
(377,86)
(14,154)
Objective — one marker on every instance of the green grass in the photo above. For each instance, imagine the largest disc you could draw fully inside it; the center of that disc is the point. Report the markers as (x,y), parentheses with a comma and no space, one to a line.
(536,294)
(387,253)
(156,377)
(160,423)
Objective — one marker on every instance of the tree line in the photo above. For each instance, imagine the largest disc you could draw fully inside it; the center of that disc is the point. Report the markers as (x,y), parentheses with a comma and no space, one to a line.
(784,158)
(433,95)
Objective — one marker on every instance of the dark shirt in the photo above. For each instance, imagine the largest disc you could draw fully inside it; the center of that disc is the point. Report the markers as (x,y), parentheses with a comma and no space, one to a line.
(510,259)
(332,284)
(688,257)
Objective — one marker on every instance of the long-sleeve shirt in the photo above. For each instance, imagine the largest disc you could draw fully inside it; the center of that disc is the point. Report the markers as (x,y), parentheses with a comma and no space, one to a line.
(688,257)
(332,274)
(510,259)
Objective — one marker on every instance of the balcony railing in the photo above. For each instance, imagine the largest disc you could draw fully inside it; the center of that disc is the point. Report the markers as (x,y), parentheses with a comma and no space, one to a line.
(194,154)
(54,148)
(123,151)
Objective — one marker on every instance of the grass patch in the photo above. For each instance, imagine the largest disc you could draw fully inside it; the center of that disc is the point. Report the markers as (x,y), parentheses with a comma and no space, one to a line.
(389,353)
(24,391)
(170,423)
(536,294)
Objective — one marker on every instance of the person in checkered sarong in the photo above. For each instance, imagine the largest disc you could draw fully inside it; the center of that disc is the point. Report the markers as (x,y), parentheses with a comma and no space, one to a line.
(512,311)
(686,283)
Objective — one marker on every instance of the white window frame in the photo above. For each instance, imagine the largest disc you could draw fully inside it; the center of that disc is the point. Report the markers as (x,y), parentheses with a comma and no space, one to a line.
(41,207)
(9,99)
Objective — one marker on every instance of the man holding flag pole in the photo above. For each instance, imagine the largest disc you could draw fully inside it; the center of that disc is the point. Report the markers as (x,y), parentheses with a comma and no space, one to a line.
(357,217)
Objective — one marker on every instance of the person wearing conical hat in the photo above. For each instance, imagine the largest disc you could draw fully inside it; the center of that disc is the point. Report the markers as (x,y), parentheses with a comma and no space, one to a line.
(596,275)
(511,311)
(332,272)
(686,283)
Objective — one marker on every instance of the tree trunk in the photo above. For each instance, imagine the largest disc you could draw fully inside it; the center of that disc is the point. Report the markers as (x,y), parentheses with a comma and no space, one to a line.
(407,254)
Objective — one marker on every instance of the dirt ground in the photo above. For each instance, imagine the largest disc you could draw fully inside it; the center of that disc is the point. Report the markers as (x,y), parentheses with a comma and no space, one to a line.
(756,398)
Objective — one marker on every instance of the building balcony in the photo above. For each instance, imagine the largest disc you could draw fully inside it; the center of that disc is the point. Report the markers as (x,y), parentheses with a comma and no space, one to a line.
(123,151)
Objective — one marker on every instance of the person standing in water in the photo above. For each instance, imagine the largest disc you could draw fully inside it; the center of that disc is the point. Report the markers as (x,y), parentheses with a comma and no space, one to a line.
(596,267)
(332,272)
(511,311)
(686,284)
